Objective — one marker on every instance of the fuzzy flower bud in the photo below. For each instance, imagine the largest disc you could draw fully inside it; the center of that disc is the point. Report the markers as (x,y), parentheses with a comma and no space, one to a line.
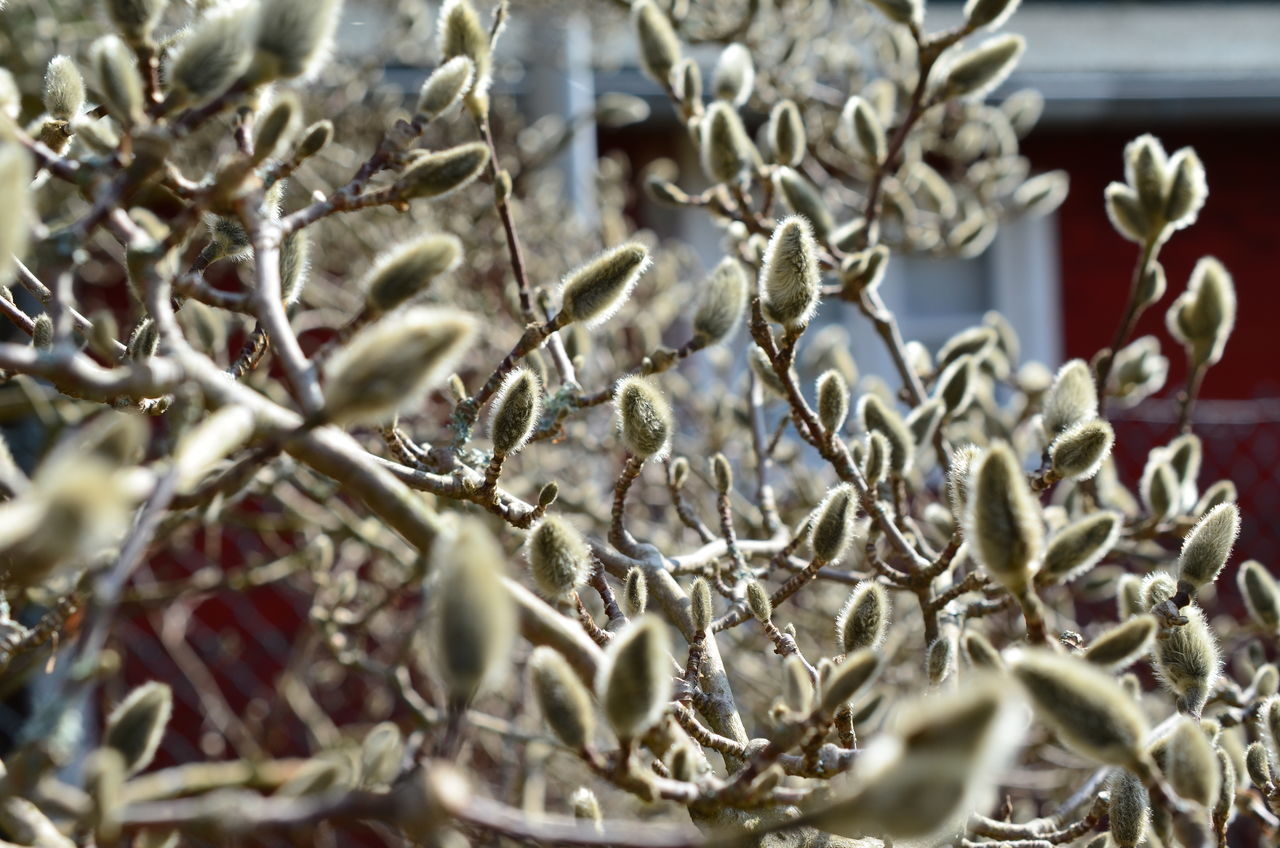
(864,618)
(212,57)
(445,86)
(722,303)
(634,684)
(1261,594)
(787,138)
(726,149)
(1079,546)
(984,67)
(833,401)
(1207,546)
(1188,661)
(700,609)
(734,76)
(803,199)
(790,280)
(1079,451)
(559,557)
(294,37)
(1129,809)
(136,18)
(1071,399)
(63,89)
(1203,316)
(989,13)
(119,84)
(876,416)
(833,531)
(516,410)
(758,602)
(643,418)
(439,173)
(1190,763)
(862,130)
(635,593)
(594,292)
(134,728)
(389,364)
(564,701)
(1124,644)
(405,271)
(1003,524)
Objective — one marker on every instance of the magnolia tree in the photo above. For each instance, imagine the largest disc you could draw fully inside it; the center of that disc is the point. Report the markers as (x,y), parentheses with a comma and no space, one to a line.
(596,582)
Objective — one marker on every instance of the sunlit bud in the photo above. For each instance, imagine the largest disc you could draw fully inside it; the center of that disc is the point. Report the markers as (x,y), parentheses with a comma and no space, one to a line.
(787,138)
(726,150)
(963,459)
(1159,487)
(134,728)
(1087,708)
(389,364)
(758,602)
(1042,194)
(901,11)
(803,198)
(874,414)
(294,37)
(136,18)
(439,173)
(1078,547)
(955,384)
(215,53)
(472,619)
(1187,189)
(939,764)
(1207,546)
(1203,316)
(1129,809)
(461,34)
(380,754)
(1072,398)
(924,420)
(119,84)
(659,46)
(734,76)
(701,611)
(862,130)
(585,806)
(42,332)
(63,88)
(1124,644)
(643,418)
(559,557)
(516,410)
(875,464)
(406,270)
(686,82)
(940,660)
(833,531)
(1261,594)
(635,593)
(790,280)
(1147,171)
(615,109)
(278,128)
(848,679)
(564,701)
(635,679)
(1129,596)
(721,304)
(1188,661)
(446,86)
(1157,587)
(981,653)
(1266,681)
(1079,451)
(984,67)
(722,474)
(1190,763)
(594,292)
(864,270)
(988,13)
(864,618)
(833,401)
(1003,523)
(1126,214)
(10,97)
(1258,763)
(972,341)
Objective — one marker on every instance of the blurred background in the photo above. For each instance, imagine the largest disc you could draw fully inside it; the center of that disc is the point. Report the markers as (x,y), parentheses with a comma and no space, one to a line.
(1204,74)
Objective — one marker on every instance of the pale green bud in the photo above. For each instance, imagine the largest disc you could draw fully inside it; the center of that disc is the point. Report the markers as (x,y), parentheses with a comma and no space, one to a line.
(790,279)
(564,701)
(1257,763)
(213,55)
(380,754)
(1124,644)
(635,680)
(940,660)
(1206,548)
(446,86)
(848,679)
(472,619)
(134,727)
(63,88)
(721,304)
(1147,172)
(1085,706)
(1129,809)
(1188,661)
(516,410)
(439,173)
(1003,524)
(734,75)
(294,37)
(722,474)
(119,84)
(984,67)
(833,401)
(863,132)
(659,46)
(1203,316)
(758,602)
(42,332)
(1042,194)
(1072,398)
(209,442)
(595,291)
(1079,546)
(1159,488)
(901,11)
(803,199)
(643,418)
(389,364)
(991,14)
(461,34)
(1126,214)
(136,18)
(1079,451)
(924,421)
(701,611)
(863,621)
(1190,763)
(955,384)
(833,531)
(982,654)
(787,138)
(406,271)
(1187,189)
(1261,594)
(635,593)
(725,148)
(278,128)
(875,414)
